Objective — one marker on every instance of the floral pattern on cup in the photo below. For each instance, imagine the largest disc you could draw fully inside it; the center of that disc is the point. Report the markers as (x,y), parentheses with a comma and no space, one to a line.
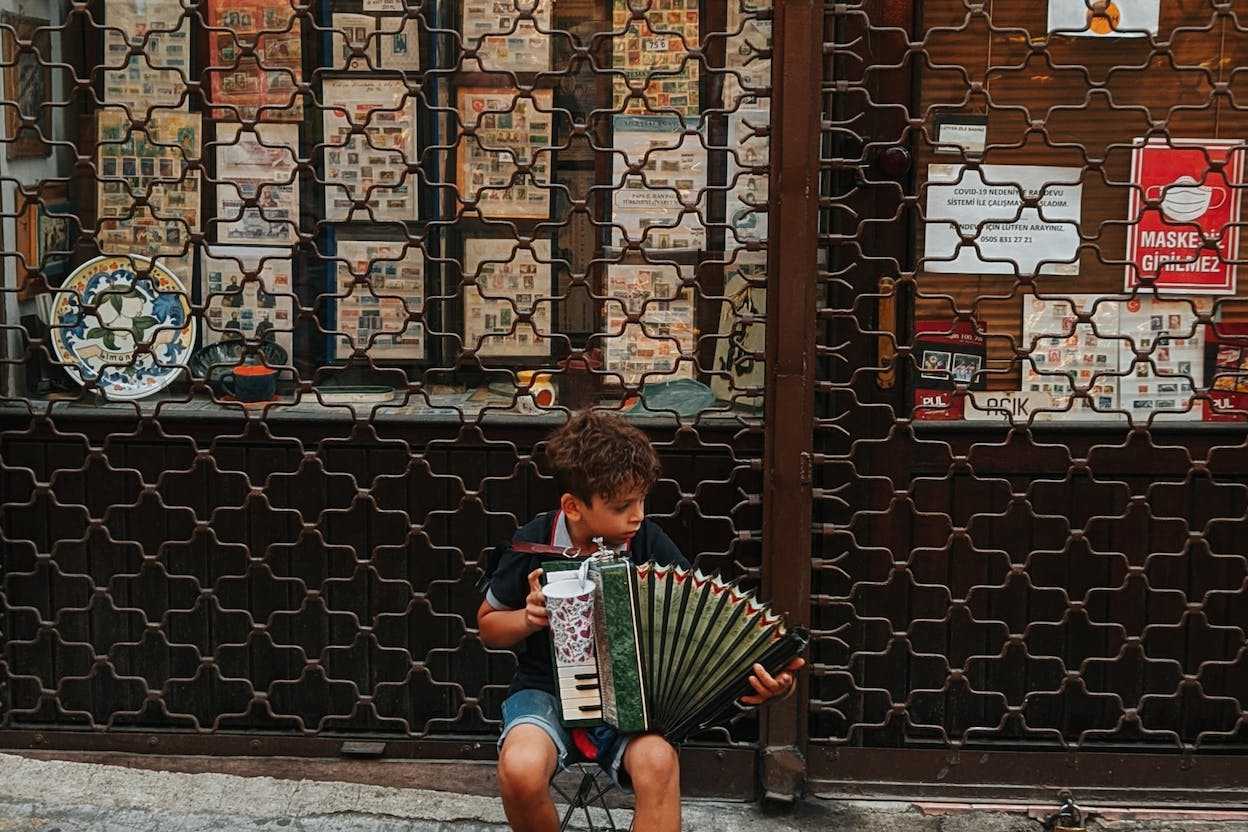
(570,604)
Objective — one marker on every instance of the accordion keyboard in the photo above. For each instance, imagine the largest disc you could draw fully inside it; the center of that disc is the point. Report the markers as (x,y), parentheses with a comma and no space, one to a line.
(579,692)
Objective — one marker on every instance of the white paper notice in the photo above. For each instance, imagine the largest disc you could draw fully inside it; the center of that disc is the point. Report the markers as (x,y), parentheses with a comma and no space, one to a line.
(963,136)
(1120,18)
(1016,236)
(650,208)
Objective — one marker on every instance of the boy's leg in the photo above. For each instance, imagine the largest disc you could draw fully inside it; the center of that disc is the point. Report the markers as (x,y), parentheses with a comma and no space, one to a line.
(525,766)
(653,766)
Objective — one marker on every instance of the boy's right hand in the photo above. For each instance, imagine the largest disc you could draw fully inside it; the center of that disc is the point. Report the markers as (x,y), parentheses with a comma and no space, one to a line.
(535,615)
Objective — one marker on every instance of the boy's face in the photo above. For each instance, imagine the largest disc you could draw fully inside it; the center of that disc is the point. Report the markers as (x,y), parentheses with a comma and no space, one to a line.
(614,518)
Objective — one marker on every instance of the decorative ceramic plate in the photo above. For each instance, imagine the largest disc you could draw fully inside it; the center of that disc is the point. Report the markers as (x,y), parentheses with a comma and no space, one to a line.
(99,345)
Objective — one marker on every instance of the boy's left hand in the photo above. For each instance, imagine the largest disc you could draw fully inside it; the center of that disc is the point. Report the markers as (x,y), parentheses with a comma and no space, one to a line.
(768,687)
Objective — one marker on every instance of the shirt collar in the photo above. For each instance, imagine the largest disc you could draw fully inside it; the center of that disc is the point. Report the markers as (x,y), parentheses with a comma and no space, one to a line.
(562,537)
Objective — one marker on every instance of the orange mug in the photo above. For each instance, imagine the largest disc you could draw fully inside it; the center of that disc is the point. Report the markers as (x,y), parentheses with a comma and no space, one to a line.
(250,382)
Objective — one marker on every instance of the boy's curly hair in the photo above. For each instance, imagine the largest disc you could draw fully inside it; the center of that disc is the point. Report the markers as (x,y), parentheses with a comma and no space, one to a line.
(599,454)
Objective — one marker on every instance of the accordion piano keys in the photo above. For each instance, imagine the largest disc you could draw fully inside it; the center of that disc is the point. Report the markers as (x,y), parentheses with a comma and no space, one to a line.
(580,697)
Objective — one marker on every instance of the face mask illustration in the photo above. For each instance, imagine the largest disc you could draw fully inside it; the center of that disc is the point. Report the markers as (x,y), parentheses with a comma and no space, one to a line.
(1185,200)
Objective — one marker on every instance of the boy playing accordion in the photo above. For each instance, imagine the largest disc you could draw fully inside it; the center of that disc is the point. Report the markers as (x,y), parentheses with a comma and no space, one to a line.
(605,467)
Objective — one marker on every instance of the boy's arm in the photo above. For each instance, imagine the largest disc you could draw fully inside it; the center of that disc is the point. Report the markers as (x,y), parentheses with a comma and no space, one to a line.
(502,628)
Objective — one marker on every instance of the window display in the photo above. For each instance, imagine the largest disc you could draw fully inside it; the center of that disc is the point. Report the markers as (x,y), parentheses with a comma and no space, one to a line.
(509,197)
(1136,357)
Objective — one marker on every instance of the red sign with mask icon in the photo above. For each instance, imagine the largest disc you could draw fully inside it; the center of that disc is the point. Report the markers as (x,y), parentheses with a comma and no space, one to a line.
(1184,208)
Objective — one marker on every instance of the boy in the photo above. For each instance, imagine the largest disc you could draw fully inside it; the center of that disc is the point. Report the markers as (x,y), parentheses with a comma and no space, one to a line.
(605,467)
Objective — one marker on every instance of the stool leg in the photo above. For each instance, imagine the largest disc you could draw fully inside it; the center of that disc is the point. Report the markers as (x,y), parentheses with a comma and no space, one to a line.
(580,800)
(583,798)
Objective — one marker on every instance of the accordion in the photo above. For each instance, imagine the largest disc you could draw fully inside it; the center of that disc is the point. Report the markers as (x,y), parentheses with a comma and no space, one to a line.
(673,649)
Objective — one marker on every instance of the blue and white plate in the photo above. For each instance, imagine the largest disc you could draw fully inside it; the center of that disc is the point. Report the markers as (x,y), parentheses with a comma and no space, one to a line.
(130,309)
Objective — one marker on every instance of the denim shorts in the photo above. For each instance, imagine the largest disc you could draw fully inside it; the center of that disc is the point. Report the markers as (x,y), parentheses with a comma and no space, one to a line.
(537,707)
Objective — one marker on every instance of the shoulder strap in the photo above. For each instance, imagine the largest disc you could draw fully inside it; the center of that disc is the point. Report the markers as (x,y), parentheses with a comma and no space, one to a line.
(527,548)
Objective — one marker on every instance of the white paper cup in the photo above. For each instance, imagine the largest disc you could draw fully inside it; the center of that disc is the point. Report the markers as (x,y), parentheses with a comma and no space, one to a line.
(570,603)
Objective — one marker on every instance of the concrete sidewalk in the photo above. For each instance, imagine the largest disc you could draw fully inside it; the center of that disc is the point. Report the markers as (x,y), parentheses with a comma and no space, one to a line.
(55,796)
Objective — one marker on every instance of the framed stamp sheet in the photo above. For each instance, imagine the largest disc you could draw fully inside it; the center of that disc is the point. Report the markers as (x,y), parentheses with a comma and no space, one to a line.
(260,164)
(509,281)
(749,152)
(159,77)
(374,316)
(748,77)
(508,129)
(650,208)
(659,44)
(368,176)
(235,307)
(503,41)
(651,349)
(132,162)
(264,86)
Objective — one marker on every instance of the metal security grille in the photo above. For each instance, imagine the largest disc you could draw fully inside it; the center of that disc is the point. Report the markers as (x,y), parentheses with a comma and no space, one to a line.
(443,224)
(1061,568)
(836,278)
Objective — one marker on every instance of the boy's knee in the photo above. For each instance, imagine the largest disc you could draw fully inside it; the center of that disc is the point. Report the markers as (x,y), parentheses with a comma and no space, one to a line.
(651,761)
(526,763)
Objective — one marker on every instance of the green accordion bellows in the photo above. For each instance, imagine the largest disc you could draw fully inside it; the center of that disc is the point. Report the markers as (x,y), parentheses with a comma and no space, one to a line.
(674,649)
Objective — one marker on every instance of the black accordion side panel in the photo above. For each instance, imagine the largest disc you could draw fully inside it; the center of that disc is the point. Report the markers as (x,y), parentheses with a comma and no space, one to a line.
(774,660)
